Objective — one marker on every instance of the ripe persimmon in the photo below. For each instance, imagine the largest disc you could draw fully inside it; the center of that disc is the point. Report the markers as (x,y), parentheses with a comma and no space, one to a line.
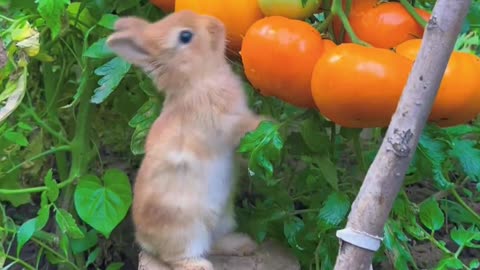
(359,87)
(458,97)
(237,16)
(278,56)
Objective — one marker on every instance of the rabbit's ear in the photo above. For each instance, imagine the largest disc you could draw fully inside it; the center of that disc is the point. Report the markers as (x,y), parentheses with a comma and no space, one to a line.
(127,23)
(130,46)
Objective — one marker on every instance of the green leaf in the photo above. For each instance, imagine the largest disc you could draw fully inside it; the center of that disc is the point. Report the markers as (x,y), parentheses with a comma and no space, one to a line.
(449,263)
(474,264)
(396,242)
(291,227)
(99,50)
(264,145)
(113,72)
(16,137)
(329,171)
(10,181)
(335,209)
(93,256)
(52,12)
(464,237)
(43,215)
(67,224)
(83,244)
(108,21)
(468,156)
(313,135)
(435,152)
(103,205)
(431,215)
(142,121)
(115,266)
(461,130)
(25,233)
(52,188)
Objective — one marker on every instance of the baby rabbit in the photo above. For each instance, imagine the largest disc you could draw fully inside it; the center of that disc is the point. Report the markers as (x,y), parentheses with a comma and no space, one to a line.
(182,207)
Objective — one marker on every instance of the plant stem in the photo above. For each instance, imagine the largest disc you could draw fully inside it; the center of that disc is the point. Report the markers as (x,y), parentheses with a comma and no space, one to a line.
(324,25)
(465,205)
(53,150)
(333,137)
(414,13)
(42,123)
(20,261)
(46,247)
(359,153)
(337,9)
(35,189)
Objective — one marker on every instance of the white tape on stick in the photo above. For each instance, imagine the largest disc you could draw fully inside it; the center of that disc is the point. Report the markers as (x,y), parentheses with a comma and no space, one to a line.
(360,239)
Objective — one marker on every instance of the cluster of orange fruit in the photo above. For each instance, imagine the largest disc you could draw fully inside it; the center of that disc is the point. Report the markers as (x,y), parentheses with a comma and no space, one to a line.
(353,85)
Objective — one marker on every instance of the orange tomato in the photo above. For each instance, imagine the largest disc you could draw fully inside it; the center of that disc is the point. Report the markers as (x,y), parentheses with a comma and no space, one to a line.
(278,56)
(458,97)
(357,8)
(359,87)
(387,25)
(328,44)
(165,5)
(237,16)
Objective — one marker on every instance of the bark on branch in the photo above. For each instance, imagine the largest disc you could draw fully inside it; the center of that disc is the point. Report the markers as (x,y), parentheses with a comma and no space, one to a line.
(385,177)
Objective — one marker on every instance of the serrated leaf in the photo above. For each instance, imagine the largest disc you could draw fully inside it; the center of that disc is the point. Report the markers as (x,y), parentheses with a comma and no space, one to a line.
(435,152)
(52,12)
(43,215)
(99,50)
(103,205)
(67,224)
(468,156)
(335,209)
(16,138)
(142,121)
(431,215)
(113,72)
(395,241)
(25,233)
(264,145)
(316,139)
(52,188)
(464,237)
(291,227)
(449,263)
(108,21)
(329,171)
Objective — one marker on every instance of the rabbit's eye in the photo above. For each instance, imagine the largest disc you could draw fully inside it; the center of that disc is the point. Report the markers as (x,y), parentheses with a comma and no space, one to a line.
(185,36)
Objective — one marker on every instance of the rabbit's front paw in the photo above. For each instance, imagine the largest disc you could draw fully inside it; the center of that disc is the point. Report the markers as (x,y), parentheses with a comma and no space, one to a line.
(198,264)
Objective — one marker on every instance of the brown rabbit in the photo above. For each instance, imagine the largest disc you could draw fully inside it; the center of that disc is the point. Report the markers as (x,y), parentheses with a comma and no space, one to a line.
(182,207)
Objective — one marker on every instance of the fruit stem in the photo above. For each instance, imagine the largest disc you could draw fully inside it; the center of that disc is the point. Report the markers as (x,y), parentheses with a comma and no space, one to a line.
(337,9)
(324,25)
(414,13)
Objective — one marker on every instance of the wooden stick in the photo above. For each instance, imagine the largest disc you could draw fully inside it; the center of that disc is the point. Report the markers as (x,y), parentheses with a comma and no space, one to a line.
(385,177)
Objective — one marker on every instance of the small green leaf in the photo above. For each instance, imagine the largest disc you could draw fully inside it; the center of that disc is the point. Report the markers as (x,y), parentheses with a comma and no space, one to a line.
(93,256)
(43,215)
(468,156)
(431,215)
(25,126)
(103,205)
(108,21)
(67,224)
(99,50)
(474,264)
(52,12)
(25,233)
(313,135)
(291,227)
(142,122)
(83,244)
(115,266)
(328,170)
(335,209)
(464,237)
(113,72)
(434,150)
(52,188)
(449,263)
(16,137)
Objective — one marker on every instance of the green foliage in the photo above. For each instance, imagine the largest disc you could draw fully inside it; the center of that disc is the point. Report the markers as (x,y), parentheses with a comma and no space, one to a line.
(73,122)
